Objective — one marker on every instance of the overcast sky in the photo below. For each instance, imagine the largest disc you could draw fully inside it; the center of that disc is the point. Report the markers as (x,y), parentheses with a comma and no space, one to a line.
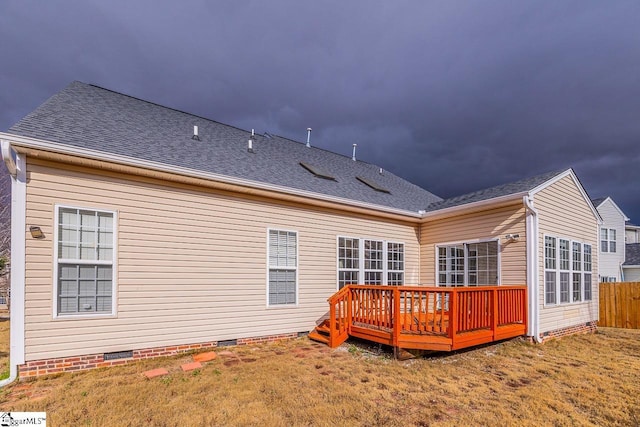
(453,96)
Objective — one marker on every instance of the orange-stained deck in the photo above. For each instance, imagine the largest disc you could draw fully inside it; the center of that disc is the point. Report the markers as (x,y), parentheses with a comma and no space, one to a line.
(426,318)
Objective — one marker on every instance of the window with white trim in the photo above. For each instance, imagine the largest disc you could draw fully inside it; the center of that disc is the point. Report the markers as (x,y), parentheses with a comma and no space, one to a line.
(550,270)
(84,263)
(468,264)
(608,240)
(348,261)
(369,262)
(587,273)
(395,264)
(567,263)
(283,267)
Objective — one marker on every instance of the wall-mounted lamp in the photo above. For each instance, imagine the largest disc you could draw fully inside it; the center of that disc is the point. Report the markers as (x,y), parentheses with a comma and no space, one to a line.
(36,232)
(512,237)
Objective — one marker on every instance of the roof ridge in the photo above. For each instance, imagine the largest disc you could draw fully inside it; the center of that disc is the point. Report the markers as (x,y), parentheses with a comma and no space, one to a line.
(162,106)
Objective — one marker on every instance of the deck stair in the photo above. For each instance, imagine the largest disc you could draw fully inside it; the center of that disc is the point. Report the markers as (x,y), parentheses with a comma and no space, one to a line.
(424,318)
(322,333)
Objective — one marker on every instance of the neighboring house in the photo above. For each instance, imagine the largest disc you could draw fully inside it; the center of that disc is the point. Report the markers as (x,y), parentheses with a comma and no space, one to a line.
(137,234)
(631,266)
(612,248)
(631,233)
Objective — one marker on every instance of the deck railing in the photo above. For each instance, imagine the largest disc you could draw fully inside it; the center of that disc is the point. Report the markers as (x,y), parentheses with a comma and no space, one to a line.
(428,317)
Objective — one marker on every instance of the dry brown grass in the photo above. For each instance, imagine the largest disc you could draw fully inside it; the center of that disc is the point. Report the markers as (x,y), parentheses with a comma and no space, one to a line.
(578,380)
(4,346)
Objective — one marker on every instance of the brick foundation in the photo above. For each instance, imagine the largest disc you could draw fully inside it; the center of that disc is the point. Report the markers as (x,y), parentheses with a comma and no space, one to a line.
(583,328)
(35,368)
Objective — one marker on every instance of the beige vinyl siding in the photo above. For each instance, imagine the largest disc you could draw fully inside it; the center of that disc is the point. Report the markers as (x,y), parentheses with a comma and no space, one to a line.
(564,213)
(611,262)
(191,262)
(489,224)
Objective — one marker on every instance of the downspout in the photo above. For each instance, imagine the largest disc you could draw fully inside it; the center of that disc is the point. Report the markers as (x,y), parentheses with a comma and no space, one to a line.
(16,164)
(532,267)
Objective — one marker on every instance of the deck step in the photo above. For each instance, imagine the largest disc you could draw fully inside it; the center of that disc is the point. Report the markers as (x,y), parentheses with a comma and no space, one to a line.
(318,337)
(323,328)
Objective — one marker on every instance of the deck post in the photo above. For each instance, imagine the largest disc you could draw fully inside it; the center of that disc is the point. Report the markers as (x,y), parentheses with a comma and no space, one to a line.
(494,314)
(396,320)
(332,323)
(348,319)
(453,316)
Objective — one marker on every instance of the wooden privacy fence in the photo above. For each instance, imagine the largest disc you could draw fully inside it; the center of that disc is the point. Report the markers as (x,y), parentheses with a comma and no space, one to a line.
(620,305)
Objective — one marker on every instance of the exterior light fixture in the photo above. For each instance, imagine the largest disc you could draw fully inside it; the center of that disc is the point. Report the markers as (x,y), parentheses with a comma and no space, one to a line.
(36,232)
(512,237)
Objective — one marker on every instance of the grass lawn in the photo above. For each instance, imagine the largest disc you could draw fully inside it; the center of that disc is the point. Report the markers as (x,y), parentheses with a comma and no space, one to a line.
(578,380)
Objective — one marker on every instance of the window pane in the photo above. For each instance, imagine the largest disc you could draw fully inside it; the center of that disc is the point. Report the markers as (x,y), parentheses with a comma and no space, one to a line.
(564,287)
(347,278)
(80,285)
(550,287)
(395,279)
(550,253)
(577,286)
(587,257)
(564,254)
(482,263)
(587,287)
(282,287)
(577,256)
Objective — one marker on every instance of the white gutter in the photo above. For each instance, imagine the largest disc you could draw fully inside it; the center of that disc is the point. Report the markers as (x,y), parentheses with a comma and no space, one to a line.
(456,210)
(18,239)
(532,267)
(22,141)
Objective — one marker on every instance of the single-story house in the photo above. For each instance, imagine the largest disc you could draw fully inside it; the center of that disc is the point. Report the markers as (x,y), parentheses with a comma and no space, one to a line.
(139,230)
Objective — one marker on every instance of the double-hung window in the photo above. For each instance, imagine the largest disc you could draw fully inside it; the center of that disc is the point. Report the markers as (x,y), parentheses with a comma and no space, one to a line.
(608,240)
(84,271)
(283,267)
(468,264)
(587,272)
(567,264)
(550,270)
(369,262)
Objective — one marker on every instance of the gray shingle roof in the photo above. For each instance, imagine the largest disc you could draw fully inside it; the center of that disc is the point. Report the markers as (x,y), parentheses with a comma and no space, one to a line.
(632,254)
(598,201)
(91,117)
(516,187)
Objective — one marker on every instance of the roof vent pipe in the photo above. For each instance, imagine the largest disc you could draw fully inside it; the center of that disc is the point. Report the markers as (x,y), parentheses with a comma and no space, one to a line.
(308,137)
(250,142)
(353,156)
(195,134)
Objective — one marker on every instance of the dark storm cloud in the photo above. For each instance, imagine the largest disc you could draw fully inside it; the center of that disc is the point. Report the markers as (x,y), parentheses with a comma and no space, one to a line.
(454,96)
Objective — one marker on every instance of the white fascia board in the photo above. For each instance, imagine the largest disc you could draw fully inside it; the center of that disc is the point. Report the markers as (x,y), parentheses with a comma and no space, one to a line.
(21,141)
(615,206)
(460,209)
(8,157)
(571,173)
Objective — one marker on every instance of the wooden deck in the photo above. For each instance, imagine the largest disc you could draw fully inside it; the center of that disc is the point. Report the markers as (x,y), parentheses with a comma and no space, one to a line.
(426,318)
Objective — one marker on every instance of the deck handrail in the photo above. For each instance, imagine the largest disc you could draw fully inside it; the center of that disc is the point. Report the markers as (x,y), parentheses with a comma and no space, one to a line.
(404,312)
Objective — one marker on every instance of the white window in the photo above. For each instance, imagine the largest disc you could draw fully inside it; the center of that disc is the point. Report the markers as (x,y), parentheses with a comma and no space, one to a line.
(608,240)
(550,270)
(468,264)
(348,261)
(395,264)
(567,264)
(587,272)
(283,267)
(369,262)
(84,272)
